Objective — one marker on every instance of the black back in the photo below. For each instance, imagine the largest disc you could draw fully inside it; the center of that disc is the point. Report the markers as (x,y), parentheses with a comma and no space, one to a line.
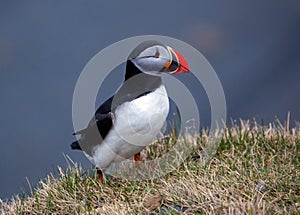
(140,84)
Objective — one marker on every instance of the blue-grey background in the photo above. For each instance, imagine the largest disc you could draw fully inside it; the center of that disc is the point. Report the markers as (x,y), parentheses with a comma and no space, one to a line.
(254,47)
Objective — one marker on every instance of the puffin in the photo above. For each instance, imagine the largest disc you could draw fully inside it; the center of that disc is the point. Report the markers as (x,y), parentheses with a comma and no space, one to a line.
(133,117)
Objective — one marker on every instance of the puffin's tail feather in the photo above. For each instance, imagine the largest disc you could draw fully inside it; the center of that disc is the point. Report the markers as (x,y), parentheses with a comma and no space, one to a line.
(75,145)
(79,132)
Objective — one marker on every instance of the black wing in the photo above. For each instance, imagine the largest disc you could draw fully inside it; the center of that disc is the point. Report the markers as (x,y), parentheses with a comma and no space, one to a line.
(100,123)
(103,121)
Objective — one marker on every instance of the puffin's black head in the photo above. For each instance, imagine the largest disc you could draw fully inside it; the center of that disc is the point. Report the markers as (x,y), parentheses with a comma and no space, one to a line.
(153,58)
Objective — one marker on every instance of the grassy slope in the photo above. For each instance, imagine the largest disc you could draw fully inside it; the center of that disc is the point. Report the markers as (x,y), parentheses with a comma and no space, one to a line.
(255,170)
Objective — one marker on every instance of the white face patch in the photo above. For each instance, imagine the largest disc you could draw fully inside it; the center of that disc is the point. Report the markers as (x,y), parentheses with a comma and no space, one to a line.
(152,52)
(152,60)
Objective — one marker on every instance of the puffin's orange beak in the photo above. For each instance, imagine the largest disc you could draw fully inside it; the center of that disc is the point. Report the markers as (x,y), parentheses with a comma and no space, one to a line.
(183,64)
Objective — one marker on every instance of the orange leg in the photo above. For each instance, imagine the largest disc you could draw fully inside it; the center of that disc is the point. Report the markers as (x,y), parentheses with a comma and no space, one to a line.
(100,176)
(137,158)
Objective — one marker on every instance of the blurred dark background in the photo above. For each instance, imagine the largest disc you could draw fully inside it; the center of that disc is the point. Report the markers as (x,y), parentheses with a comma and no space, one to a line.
(254,47)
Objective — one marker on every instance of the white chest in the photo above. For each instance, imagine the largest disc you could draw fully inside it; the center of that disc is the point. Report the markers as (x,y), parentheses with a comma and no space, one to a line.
(140,120)
(136,125)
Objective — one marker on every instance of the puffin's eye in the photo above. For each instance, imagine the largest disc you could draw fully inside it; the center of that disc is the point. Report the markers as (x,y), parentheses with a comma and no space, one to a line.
(154,52)
(156,55)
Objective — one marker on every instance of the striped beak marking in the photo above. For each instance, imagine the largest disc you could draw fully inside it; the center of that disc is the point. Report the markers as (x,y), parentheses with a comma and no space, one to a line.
(177,64)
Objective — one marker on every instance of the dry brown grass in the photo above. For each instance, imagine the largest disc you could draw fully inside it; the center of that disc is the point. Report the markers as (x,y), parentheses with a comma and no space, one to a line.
(256,170)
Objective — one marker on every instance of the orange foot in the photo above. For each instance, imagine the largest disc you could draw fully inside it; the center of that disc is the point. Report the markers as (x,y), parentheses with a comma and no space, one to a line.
(100,176)
(137,158)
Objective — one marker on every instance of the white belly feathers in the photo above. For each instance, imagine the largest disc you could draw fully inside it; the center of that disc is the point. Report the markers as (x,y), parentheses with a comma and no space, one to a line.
(136,125)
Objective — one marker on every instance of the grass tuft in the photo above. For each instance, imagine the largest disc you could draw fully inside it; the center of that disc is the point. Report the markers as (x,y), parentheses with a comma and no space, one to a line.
(256,170)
